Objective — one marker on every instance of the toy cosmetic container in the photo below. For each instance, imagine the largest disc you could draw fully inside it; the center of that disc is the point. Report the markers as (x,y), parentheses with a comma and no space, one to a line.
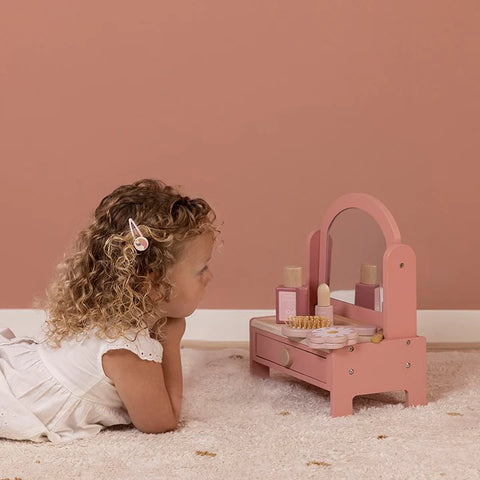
(331,338)
(291,297)
(367,291)
(324,308)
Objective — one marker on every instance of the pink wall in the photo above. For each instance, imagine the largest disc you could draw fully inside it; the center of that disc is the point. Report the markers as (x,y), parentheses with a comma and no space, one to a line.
(269,109)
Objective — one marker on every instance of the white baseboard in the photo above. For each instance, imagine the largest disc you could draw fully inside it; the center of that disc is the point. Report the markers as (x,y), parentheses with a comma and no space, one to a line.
(438,326)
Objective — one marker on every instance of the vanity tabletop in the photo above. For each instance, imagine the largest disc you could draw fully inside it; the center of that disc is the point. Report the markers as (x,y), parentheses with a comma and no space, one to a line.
(270,325)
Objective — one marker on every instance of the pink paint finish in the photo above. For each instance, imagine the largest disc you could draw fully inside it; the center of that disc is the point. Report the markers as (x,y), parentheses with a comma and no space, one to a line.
(367,290)
(367,296)
(292,297)
(363,368)
(290,301)
(397,363)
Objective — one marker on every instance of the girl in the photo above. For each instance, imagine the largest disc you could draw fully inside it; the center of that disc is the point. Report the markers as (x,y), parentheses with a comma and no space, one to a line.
(116,315)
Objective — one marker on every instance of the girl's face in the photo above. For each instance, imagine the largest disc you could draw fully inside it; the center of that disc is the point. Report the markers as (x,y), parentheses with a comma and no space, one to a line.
(190,276)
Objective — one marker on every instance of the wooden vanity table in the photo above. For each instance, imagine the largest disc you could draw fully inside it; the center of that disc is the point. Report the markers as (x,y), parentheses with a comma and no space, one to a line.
(397,363)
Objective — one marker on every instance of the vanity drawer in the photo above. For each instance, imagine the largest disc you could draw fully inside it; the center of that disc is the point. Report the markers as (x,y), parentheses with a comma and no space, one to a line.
(293,358)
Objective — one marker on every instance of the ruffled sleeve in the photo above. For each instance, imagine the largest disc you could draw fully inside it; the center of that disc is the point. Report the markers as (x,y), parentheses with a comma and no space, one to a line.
(140,344)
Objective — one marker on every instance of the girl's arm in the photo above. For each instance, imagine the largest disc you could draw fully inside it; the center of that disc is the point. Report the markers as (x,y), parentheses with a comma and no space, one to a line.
(151,392)
(172,362)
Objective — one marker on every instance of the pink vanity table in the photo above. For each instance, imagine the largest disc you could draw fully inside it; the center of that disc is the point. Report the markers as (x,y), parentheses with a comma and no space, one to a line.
(397,363)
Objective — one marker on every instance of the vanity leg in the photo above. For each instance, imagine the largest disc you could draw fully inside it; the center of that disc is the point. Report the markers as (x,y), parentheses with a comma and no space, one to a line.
(340,404)
(259,370)
(416,396)
(416,391)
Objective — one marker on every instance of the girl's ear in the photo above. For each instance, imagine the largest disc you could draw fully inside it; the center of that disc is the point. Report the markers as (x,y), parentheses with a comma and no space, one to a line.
(158,291)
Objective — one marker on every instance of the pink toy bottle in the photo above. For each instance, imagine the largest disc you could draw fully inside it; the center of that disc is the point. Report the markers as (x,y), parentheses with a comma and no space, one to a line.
(292,296)
(367,291)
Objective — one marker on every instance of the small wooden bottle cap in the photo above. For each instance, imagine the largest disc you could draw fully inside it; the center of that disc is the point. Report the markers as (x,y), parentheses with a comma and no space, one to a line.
(368,274)
(292,277)
(323,295)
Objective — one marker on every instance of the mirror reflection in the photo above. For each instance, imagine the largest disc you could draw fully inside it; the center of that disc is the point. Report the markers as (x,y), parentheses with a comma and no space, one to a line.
(355,249)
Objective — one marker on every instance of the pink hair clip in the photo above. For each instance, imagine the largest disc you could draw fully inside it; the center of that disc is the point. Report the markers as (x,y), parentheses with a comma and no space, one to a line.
(139,242)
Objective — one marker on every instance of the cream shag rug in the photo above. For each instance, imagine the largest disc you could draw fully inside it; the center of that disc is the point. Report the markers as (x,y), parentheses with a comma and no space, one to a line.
(235,427)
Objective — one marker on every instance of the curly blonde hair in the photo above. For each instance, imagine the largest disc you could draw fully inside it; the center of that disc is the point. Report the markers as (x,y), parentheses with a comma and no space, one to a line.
(105,282)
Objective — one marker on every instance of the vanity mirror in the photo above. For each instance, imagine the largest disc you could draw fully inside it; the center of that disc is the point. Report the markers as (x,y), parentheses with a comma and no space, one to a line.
(354,239)
(398,362)
(398,315)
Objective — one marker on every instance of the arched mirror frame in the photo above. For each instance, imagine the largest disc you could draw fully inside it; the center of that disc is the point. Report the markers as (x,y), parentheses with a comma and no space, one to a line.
(398,318)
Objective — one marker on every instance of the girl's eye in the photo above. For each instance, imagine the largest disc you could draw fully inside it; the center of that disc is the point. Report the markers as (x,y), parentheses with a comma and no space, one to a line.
(204,269)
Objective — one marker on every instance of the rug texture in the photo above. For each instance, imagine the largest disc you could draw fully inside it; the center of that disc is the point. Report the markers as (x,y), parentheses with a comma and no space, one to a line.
(235,427)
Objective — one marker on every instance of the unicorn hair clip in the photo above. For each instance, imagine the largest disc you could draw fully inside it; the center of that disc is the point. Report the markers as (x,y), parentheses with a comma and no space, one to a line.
(139,241)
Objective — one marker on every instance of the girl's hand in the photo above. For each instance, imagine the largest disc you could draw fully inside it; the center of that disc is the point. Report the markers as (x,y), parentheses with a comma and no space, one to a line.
(174,330)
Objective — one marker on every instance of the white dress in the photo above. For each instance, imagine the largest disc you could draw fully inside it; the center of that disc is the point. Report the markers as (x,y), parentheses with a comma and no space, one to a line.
(62,394)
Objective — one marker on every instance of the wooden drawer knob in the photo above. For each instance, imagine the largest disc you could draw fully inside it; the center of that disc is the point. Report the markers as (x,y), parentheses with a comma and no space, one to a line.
(285,358)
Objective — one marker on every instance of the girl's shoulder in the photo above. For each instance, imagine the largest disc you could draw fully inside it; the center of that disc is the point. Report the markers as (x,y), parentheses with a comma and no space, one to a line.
(140,343)
(85,352)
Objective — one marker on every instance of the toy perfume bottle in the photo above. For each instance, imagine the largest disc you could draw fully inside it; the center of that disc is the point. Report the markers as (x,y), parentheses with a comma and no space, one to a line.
(367,291)
(292,296)
(324,308)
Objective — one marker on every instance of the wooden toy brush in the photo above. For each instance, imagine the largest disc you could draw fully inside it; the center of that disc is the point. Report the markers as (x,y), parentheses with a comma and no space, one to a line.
(300,325)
